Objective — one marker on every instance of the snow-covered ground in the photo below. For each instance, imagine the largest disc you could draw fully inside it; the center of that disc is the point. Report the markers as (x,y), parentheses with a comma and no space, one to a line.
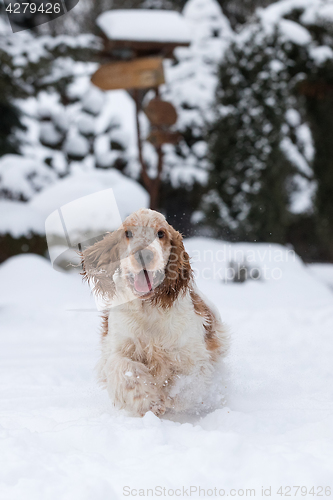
(61,439)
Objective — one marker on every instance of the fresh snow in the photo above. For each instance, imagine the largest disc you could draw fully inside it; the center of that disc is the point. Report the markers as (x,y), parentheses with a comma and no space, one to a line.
(62,438)
(93,100)
(190,85)
(49,135)
(302,198)
(144,25)
(22,176)
(321,54)
(324,272)
(130,196)
(294,32)
(76,145)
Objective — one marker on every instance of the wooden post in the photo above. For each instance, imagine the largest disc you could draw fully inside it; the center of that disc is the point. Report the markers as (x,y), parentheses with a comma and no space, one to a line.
(152,185)
(156,186)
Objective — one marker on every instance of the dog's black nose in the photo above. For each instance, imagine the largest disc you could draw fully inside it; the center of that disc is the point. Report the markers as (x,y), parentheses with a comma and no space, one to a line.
(144,257)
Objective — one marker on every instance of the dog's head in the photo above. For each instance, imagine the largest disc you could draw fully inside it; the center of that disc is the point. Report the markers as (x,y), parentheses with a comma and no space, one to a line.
(145,256)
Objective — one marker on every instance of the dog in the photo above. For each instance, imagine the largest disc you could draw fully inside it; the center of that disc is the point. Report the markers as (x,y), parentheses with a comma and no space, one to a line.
(161,339)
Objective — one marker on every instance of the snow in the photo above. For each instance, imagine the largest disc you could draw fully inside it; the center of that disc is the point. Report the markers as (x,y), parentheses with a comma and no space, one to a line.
(303,196)
(85,124)
(294,32)
(20,218)
(321,54)
(130,196)
(274,12)
(49,135)
(312,12)
(190,86)
(321,11)
(91,114)
(76,145)
(324,272)
(77,221)
(61,437)
(144,25)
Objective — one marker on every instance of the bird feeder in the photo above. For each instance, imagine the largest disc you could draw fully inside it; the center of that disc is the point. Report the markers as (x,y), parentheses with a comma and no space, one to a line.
(135,44)
(129,34)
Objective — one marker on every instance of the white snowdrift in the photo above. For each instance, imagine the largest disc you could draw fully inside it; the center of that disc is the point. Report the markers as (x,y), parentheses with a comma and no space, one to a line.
(144,25)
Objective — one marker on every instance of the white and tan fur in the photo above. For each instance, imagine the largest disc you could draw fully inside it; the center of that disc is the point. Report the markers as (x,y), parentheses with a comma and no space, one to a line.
(160,344)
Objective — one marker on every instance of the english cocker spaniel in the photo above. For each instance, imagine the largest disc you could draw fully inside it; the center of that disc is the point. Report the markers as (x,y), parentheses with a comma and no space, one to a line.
(161,340)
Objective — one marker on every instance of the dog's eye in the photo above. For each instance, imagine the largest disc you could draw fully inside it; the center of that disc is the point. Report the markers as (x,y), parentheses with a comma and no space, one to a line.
(128,234)
(161,234)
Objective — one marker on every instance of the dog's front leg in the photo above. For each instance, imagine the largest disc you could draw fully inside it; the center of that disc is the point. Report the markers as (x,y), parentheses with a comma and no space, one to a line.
(131,386)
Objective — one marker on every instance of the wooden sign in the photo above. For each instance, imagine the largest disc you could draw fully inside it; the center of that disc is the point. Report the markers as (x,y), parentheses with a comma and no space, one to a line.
(137,74)
(159,137)
(161,112)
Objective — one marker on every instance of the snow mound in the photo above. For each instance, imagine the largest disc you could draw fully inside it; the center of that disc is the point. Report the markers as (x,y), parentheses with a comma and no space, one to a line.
(18,219)
(23,177)
(130,196)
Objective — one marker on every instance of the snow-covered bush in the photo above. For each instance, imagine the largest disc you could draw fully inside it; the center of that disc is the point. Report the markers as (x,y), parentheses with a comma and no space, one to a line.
(32,66)
(83,127)
(93,129)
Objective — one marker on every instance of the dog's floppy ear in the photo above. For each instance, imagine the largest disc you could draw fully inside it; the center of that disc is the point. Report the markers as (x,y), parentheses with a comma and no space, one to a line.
(179,266)
(178,272)
(99,262)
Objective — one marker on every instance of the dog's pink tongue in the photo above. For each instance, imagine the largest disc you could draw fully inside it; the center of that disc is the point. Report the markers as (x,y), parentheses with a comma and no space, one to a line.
(143,281)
